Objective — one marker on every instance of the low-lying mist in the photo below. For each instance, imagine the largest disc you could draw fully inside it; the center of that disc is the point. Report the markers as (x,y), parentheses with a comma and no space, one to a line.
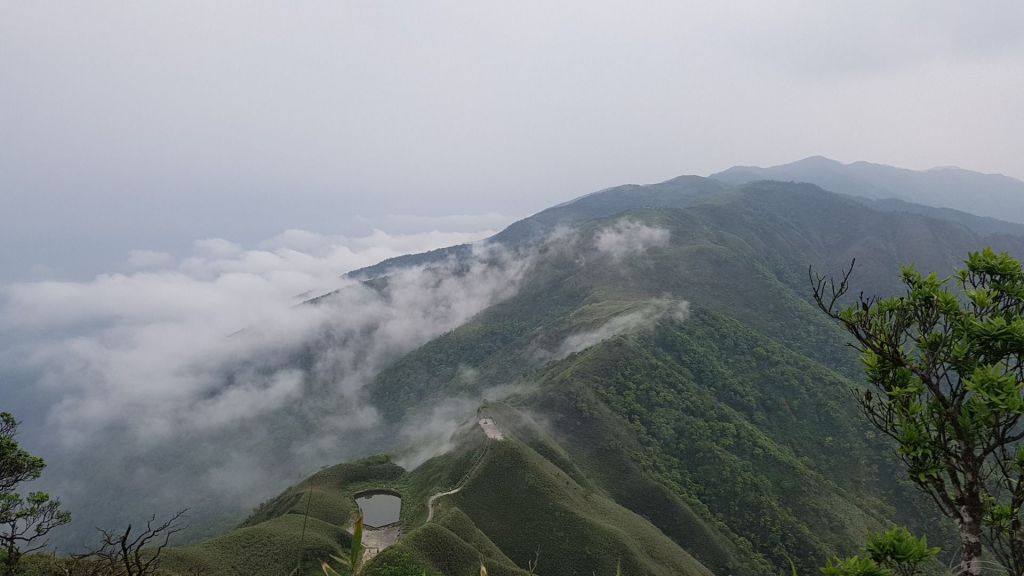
(210,383)
(653,312)
(214,381)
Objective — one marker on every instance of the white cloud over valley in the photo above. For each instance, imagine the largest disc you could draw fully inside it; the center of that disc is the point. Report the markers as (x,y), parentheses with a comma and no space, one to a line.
(167,370)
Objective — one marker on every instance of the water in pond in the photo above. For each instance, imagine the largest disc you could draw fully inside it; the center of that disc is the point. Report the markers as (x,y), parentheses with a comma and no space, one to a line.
(379,509)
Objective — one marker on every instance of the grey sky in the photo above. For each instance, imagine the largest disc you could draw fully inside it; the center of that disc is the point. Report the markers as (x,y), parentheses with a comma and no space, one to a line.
(145,125)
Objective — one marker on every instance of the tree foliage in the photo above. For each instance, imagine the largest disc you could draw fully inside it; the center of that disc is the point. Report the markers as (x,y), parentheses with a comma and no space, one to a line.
(16,465)
(24,520)
(894,552)
(899,551)
(945,364)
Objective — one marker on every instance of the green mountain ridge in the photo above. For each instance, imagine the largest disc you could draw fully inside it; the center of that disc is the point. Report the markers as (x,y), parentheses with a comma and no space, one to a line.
(680,407)
(909,193)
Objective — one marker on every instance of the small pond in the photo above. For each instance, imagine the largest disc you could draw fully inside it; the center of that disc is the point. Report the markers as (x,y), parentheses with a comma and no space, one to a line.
(379,508)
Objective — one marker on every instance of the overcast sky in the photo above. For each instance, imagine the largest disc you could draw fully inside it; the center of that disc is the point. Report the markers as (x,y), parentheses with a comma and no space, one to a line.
(147,125)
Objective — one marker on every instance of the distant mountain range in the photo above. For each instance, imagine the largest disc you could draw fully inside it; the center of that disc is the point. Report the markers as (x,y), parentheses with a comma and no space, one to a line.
(980,194)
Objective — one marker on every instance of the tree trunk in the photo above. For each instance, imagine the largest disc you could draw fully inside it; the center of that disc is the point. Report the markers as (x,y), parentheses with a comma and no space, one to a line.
(969,524)
(11,561)
(1017,550)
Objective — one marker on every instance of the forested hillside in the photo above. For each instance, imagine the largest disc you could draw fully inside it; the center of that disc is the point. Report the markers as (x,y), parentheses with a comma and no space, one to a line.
(671,398)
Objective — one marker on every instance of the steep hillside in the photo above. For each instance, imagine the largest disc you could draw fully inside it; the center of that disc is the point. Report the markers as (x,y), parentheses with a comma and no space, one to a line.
(752,389)
(671,398)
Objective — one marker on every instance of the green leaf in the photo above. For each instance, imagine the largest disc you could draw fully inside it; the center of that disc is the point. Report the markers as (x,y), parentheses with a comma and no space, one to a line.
(356,552)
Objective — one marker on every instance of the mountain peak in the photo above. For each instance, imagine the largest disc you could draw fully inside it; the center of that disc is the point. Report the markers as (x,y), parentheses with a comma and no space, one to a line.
(817,161)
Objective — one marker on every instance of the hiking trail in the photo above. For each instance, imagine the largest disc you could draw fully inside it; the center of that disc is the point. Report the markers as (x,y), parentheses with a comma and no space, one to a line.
(493,433)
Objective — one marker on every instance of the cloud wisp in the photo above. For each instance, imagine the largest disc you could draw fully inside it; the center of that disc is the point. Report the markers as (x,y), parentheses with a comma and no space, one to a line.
(648,315)
(626,238)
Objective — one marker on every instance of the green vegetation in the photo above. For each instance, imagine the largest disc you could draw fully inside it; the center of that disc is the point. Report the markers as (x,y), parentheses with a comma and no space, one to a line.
(25,521)
(527,504)
(732,430)
(279,536)
(515,508)
(894,552)
(436,549)
(946,368)
(354,562)
(701,429)
(900,551)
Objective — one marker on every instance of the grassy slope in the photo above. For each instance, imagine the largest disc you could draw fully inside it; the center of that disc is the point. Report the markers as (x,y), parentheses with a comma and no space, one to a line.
(268,542)
(518,505)
(514,502)
(451,544)
(526,504)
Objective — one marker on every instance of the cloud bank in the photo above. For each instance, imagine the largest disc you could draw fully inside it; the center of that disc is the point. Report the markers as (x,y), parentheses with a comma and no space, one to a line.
(207,382)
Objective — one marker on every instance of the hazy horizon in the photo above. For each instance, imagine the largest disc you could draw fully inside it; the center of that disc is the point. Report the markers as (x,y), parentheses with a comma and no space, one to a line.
(147,127)
(384,236)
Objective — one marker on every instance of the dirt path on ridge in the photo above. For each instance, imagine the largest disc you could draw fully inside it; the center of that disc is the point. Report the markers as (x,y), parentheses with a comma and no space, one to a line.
(493,433)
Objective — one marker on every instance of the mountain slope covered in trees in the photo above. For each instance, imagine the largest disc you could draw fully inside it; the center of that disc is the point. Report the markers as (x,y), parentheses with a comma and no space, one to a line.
(672,399)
